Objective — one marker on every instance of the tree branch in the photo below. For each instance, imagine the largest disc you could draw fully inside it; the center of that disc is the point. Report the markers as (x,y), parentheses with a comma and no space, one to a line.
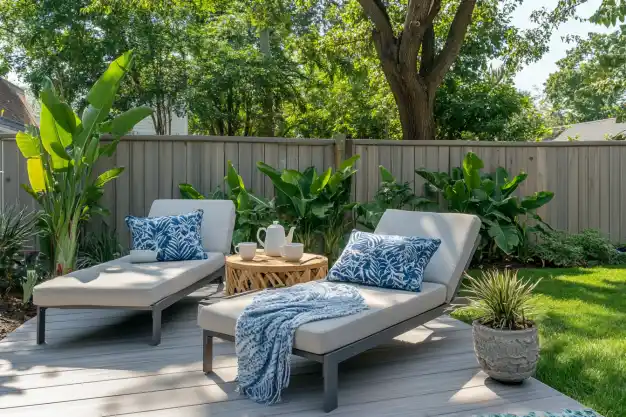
(419,18)
(451,49)
(428,51)
(376,11)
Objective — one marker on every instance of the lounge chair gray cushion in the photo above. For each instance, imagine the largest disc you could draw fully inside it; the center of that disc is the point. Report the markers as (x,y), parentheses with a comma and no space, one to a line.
(458,234)
(386,308)
(120,283)
(217,223)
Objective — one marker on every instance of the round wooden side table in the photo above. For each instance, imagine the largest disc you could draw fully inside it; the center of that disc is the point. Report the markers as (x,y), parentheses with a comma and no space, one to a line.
(269,271)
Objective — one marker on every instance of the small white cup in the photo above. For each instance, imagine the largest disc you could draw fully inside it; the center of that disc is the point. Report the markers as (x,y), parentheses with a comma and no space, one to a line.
(293,251)
(246,250)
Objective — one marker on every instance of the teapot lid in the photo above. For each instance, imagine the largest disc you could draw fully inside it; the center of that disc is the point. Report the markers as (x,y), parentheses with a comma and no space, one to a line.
(275,224)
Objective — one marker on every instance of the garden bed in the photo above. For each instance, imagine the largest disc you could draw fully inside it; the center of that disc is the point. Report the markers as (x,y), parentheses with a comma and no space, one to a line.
(581,314)
(13,313)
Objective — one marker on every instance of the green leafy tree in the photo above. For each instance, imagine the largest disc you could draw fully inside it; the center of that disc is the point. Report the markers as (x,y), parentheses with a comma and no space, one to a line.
(590,83)
(71,41)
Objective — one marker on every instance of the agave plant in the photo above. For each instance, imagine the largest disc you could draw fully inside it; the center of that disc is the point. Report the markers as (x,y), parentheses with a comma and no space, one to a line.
(62,153)
(501,300)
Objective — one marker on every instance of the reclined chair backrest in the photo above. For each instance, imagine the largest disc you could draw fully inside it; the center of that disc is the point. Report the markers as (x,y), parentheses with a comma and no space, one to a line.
(458,234)
(218,221)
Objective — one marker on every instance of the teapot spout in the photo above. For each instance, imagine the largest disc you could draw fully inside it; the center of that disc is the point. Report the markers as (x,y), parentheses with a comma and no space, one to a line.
(289,237)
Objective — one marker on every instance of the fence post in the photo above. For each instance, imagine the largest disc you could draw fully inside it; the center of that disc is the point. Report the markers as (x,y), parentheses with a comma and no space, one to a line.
(340,148)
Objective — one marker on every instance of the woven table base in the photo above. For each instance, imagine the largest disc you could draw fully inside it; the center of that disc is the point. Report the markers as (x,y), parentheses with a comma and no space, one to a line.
(267,272)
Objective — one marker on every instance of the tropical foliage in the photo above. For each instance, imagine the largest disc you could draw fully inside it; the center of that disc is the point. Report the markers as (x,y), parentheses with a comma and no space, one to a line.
(61,156)
(313,202)
(390,195)
(252,212)
(490,197)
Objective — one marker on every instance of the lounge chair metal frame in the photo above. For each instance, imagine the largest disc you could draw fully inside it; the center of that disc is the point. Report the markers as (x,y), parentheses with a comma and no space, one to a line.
(330,361)
(156,308)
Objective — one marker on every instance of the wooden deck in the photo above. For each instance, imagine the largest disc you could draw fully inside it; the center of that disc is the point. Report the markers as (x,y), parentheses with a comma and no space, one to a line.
(98,363)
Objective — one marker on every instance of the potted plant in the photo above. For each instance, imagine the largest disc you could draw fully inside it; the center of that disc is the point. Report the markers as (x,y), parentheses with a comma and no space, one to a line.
(505,339)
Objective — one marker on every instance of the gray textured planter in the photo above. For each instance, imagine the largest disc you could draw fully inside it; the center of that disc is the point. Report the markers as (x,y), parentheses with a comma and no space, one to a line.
(508,356)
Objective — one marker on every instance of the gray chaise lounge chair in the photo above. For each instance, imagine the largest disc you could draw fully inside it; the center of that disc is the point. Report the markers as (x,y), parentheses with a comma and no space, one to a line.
(155,286)
(391,312)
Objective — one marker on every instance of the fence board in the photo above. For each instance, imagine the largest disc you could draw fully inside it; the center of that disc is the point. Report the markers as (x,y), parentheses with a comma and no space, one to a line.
(122,195)
(137,207)
(614,194)
(167,189)
(605,172)
(258,180)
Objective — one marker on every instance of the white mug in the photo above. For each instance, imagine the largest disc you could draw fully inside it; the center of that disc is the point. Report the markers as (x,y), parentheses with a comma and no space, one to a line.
(292,251)
(246,250)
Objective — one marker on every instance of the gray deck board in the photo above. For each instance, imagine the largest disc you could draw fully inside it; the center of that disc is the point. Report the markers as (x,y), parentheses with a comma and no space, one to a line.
(98,363)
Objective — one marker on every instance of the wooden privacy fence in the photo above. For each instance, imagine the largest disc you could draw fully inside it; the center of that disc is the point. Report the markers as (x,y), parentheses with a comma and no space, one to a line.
(588,178)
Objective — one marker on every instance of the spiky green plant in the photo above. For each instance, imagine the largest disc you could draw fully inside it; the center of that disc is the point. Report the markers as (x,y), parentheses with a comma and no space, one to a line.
(501,300)
(17,225)
(99,247)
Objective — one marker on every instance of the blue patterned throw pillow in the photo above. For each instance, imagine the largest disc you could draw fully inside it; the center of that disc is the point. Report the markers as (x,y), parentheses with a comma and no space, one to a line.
(385,261)
(174,238)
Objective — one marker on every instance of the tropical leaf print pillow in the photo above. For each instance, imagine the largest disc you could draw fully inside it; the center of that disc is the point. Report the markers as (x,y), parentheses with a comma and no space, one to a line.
(385,261)
(174,238)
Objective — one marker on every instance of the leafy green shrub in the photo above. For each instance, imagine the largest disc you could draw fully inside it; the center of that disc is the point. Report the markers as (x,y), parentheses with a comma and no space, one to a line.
(16,227)
(252,212)
(587,248)
(316,204)
(490,197)
(99,247)
(390,195)
(500,299)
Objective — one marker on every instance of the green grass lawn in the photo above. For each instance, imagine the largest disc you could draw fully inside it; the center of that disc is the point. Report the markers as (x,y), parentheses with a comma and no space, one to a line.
(581,313)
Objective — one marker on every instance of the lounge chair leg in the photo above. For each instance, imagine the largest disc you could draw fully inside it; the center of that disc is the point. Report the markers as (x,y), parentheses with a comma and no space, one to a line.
(41,325)
(207,352)
(156,327)
(331,370)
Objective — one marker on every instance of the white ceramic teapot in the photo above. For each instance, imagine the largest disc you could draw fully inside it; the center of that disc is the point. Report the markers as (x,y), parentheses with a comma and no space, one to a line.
(275,238)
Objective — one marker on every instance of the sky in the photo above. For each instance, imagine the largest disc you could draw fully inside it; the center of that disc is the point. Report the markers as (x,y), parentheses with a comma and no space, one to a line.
(532,77)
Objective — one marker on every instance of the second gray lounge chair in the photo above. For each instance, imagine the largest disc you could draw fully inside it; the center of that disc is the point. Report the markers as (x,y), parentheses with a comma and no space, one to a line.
(390,313)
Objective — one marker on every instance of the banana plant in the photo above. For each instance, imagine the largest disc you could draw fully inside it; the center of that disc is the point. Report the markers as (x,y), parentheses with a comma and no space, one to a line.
(491,197)
(62,153)
(315,203)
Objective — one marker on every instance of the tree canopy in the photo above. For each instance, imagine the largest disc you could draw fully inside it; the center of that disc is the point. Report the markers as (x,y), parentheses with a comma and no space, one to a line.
(590,83)
(306,68)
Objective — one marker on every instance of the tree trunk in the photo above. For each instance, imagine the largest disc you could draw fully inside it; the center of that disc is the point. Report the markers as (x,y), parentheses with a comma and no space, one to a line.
(414,99)
(416,110)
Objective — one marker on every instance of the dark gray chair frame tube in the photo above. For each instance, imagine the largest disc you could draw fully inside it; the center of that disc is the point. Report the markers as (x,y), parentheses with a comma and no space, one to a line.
(155,308)
(330,361)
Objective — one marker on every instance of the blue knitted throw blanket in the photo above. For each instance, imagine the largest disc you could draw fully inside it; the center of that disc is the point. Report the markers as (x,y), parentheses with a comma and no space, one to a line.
(265,331)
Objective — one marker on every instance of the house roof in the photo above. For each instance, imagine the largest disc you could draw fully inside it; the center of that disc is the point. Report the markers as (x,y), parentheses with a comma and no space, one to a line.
(595,130)
(14,109)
